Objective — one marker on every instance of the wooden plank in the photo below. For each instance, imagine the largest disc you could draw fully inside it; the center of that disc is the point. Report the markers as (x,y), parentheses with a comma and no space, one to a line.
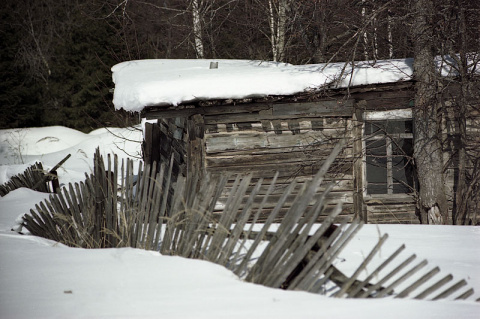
(347,211)
(256,140)
(314,109)
(434,287)
(258,117)
(304,124)
(391,208)
(182,111)
(272,200)
(288,170)
(389,289)
(195,149)
(328,145)
(285,127)
(340,185)
(383,199)
(375,273)
(332,198)
(296,157)
(394,218)
(286,180)
(404,293)
(363,265)
(273,111)
(382,99)
(358,167)
(387,277)
(325,260)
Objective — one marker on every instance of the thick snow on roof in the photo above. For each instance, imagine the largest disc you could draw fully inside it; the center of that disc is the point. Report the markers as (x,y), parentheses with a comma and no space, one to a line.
(144,83)
(170,82)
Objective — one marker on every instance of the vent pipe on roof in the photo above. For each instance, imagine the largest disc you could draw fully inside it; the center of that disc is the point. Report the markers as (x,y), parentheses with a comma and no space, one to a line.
(213,65)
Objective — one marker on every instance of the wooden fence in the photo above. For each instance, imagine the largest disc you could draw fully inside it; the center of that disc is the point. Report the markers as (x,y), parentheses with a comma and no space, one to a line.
(36,178)
(138,212)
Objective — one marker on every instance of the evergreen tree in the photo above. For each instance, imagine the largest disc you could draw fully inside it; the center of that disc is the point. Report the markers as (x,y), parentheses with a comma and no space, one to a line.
(79,85)
(19,95)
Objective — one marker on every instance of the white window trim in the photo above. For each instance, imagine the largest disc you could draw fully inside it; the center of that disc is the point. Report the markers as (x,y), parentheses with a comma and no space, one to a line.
(401,114)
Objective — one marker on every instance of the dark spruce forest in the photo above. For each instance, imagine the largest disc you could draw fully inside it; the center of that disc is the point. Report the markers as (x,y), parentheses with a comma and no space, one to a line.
(56,54)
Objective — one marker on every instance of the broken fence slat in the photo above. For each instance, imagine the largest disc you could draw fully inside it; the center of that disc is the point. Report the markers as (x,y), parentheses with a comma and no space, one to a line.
(298,253)
(408,274)
(388,276)
(434,287)
(314,264)
(362,266)
(255,271)
(451,290)
(240,224)
(243,264)
(45,177)
(299,237)
(465,295)
(329,256)
(417,283)
(374,274)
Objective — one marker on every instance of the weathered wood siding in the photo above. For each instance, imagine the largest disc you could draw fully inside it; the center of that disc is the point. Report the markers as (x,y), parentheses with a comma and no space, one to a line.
(166,142)
(391,209)
(260,138)
(294,148)
(293,135)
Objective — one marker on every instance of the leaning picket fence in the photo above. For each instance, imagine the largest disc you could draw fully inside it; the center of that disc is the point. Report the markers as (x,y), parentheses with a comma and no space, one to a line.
(36,178)
(152,210)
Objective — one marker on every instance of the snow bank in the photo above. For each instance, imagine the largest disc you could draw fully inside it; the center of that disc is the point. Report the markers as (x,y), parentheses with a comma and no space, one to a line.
(43,279)
(19,148)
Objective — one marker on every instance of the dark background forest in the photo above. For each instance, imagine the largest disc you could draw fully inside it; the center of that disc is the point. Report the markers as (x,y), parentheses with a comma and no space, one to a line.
(56,54)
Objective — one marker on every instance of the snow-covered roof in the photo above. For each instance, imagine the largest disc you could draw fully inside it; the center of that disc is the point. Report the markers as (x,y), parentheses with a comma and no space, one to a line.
(144,83)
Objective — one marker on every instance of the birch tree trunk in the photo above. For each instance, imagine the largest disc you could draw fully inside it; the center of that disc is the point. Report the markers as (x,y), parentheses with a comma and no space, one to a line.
(432,202)
(389,34)
(197,29)
(271,20)
(278,26)
(375,39)
(282,29)
(365,35)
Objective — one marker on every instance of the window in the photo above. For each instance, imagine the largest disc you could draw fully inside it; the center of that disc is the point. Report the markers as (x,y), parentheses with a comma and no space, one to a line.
(388,152)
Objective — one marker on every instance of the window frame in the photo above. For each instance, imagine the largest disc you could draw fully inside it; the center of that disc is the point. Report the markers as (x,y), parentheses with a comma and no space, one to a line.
(398,114)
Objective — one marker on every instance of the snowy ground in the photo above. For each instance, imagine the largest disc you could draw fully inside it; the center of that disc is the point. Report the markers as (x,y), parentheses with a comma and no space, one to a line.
(43,279)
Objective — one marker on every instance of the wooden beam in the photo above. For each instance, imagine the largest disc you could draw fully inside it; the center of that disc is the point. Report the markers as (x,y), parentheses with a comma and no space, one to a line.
(195,150)
(358,175)
(205,110)
(309,109)
(259,111)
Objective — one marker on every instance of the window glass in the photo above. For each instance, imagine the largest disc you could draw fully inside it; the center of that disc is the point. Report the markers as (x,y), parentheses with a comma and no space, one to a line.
(389,149)
(376,167)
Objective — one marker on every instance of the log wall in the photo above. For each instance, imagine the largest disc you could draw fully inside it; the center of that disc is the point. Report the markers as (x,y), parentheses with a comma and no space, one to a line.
(290,136)
(294,148)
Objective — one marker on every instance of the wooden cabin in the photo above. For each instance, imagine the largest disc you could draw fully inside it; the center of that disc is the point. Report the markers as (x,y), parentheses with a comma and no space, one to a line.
(292,134)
